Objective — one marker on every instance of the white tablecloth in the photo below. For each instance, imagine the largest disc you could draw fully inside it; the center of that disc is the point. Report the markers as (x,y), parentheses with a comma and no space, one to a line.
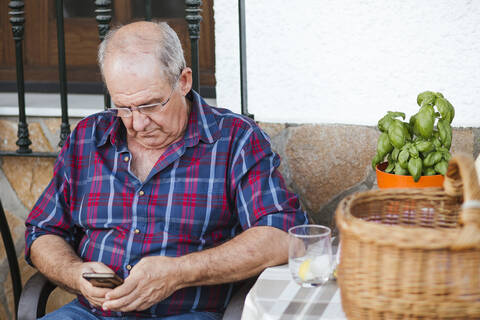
(276,296)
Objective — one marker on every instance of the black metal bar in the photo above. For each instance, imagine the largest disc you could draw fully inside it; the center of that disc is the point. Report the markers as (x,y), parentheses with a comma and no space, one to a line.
(11,257)
(148,10)
(103,15)
(17,20)
(193,17)
(243,58)
(30,155)
(62,72)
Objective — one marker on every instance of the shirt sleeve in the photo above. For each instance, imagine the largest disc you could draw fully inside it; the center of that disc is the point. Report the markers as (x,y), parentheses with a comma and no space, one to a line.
(261,196)
(50,214)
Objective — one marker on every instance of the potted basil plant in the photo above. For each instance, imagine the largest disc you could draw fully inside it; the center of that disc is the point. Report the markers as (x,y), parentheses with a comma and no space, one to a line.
(417,148)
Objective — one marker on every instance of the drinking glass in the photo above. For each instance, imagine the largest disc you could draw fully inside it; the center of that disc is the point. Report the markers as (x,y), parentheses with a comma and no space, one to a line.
(310,254)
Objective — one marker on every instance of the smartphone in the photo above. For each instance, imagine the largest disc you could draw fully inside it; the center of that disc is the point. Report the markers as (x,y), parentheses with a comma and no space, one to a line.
(103,280)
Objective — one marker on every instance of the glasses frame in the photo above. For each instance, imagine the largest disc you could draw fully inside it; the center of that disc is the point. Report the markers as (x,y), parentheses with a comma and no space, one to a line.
(129,110)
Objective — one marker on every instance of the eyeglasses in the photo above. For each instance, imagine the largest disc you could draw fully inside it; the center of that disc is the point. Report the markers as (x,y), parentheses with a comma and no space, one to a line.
(147,109)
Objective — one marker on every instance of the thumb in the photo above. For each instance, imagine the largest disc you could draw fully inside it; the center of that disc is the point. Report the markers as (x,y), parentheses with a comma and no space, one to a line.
(99,267)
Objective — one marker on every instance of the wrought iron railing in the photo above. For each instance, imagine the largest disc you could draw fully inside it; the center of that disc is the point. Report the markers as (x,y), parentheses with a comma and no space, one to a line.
(103,15)
(65,127)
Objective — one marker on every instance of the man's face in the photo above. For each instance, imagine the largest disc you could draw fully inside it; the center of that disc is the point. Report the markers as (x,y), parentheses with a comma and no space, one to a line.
(136,82)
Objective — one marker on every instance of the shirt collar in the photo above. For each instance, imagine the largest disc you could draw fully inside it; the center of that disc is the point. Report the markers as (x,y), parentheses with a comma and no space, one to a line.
(112,128)
(202,124)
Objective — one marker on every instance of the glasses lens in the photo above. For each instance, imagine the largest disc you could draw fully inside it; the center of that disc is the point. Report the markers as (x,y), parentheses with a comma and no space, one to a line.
(120,112)
(149,109)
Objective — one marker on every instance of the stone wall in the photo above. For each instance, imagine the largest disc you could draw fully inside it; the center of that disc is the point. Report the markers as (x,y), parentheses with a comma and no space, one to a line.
(22,180)
(324,163)
(321,163)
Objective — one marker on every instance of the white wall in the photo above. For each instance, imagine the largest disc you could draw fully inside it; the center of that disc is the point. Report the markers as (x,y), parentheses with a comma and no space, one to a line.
(339,61)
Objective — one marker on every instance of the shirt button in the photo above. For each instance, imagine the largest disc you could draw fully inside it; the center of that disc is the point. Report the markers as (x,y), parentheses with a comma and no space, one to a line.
(136,231)
(126,159)
(129,267)
(141,193)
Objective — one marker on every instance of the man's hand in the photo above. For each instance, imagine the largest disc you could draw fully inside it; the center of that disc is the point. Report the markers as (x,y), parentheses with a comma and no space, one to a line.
(155,278)
(150,281)
(94,295)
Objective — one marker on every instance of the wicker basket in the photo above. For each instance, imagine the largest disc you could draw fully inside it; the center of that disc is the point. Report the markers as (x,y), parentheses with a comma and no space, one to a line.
(413,253)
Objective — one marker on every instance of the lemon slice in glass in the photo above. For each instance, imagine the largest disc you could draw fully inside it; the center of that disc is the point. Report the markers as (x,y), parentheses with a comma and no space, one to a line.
(304,271)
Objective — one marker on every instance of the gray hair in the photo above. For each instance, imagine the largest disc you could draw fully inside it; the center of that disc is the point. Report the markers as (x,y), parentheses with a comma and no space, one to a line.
(168,51)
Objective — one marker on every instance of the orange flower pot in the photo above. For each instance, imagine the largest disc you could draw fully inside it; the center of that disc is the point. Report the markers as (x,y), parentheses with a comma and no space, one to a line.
(389,180)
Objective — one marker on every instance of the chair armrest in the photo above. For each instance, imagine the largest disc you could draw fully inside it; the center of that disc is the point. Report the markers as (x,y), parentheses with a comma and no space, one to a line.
(235,306)
(34,297)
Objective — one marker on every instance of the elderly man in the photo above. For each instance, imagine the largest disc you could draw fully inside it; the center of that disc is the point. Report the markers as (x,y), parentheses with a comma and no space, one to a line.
(179,199)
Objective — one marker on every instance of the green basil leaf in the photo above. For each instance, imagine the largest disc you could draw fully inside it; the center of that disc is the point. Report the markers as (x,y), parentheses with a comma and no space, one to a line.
(427,97)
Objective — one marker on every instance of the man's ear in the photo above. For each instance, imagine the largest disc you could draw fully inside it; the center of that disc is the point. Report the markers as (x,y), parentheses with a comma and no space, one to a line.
(185,81)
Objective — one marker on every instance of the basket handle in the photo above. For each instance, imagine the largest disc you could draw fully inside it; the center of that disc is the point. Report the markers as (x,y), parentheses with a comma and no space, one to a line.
(461,179)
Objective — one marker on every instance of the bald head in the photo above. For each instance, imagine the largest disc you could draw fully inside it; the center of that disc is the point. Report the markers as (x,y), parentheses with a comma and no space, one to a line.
(135,36)
(140,42)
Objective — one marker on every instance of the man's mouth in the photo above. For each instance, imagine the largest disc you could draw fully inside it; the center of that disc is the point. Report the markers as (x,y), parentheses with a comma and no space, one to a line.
(147,134)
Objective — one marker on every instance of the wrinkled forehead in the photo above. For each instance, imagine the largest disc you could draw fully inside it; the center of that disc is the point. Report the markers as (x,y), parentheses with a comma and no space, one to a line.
(132,62)
(125,72)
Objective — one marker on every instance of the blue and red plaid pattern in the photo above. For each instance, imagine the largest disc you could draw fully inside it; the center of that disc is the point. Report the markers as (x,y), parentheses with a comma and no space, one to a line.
(220,179)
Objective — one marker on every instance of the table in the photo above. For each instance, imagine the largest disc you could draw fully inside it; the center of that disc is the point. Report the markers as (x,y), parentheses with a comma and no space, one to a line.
(276,296)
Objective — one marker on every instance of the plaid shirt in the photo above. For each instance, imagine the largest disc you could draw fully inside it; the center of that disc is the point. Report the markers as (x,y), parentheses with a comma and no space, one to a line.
(220,179)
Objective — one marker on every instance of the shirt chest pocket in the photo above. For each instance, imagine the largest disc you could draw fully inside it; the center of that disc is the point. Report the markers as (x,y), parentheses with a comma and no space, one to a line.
(103,211)
(193,214)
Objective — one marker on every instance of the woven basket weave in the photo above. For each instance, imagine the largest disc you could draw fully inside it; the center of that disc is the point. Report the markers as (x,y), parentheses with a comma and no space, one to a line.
(413,253)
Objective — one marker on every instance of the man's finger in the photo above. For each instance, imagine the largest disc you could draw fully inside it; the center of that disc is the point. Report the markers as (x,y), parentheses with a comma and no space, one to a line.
(100,267)
(145,305)
(96,267)
(97,292)
(122,302)
(96,302)
(122,290)
(132,306)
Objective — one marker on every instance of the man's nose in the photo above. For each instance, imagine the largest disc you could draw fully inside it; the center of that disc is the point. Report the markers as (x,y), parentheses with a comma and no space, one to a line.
(139,121)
